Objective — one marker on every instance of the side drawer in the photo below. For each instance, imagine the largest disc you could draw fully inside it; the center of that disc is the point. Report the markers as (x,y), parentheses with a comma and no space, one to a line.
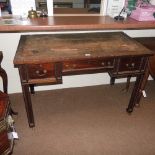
(131,64)
(41,73)
(88,64)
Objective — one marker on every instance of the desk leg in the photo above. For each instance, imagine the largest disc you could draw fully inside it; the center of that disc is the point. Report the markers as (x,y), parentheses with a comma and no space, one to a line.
(136,95)
(144,82)
(28,105)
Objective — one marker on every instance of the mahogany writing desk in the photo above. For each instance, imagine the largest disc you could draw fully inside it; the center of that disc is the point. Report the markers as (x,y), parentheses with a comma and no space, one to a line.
(45,59)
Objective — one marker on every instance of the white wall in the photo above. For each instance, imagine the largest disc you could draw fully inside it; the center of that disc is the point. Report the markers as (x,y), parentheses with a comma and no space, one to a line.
(9,43)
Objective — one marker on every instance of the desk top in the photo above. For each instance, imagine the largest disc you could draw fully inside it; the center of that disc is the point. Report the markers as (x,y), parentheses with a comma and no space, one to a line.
(65,23)
(61,47)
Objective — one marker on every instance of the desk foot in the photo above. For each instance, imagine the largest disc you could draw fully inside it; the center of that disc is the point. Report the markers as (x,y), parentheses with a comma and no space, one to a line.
(129,110)
(137,105)
(31,125)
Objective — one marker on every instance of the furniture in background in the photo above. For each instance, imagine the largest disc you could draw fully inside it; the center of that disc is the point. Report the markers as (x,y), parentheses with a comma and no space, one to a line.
(43,62)
(63,5)
(4,77)
(88,2)
(6,144)
(6,121)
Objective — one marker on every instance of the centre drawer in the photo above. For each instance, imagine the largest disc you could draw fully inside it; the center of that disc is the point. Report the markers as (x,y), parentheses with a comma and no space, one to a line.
(88,64)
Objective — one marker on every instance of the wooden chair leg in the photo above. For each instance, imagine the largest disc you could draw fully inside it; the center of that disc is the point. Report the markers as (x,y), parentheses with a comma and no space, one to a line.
(3,75)
(4,79)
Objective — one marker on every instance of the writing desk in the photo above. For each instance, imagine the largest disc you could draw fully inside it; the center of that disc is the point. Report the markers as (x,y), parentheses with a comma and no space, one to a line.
(45,59)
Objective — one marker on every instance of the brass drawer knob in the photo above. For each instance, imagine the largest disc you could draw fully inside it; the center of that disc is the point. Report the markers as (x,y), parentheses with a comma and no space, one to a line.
(67,65)
(133,64)
(74,65)
(44,71)
(41,73)
(109,63)
(102,63)
(37,72)
(127,65)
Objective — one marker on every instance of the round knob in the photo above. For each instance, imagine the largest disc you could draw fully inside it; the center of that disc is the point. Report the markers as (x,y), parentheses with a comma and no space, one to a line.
(74,65)
(37,71)
(109,63)
(102,63)
(133,64)
(127,65)
(41,72)
(44,71)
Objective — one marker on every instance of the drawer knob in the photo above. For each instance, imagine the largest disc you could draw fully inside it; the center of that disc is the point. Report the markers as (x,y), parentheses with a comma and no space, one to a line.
(74,65)
(41,73)
(127,65)
(133,64)
(102,63)
(44,71)
(37,72)
(109,63)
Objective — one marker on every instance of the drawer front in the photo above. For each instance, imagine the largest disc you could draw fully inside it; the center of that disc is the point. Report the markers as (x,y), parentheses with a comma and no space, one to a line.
(131,64)
(88,64)
(39,71)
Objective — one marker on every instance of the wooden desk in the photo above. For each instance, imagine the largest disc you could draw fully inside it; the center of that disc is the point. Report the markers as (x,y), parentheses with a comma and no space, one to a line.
(45,59)
(6,144)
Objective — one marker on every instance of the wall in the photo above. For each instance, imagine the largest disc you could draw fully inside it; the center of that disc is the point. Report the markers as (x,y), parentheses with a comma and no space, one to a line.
(9,43)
